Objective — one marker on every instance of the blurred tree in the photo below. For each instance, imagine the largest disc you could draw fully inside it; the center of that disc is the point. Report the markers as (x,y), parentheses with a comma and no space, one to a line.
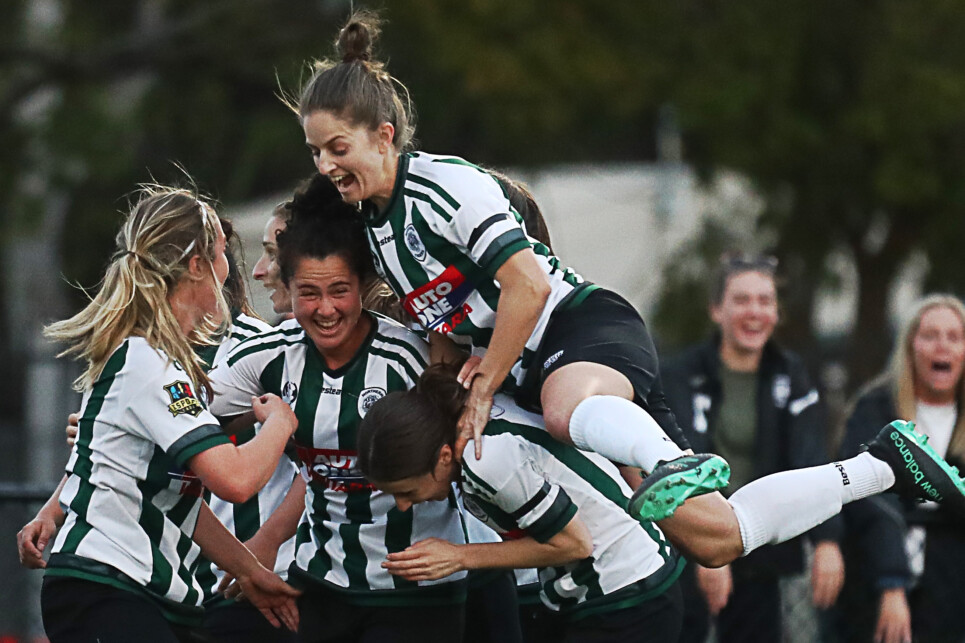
(849,118)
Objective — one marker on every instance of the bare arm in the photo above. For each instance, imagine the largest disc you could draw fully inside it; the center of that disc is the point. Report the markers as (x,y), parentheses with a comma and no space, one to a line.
(434,558)
(266,591)
(524,290)
(33,538)
(237,473)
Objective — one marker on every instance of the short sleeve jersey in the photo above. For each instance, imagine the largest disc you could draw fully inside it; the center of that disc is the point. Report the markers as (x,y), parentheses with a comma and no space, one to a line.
(348,527)
(131,503)
(447,230)
(528,484)
(245,518)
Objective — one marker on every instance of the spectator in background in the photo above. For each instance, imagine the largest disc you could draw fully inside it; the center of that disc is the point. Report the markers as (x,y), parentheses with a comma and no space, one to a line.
(741,395)
(905,561)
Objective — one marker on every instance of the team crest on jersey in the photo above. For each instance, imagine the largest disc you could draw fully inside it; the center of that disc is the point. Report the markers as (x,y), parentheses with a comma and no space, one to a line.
(368,397)
(781,390)
(183,399)
(440,305)
(469,501)
(414,243)
(289,392)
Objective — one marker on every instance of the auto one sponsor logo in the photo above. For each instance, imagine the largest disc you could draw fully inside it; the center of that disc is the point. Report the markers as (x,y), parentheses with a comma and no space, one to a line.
(440,305)
(335,469)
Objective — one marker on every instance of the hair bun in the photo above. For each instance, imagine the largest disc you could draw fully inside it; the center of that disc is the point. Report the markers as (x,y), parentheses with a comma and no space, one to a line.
(356,38)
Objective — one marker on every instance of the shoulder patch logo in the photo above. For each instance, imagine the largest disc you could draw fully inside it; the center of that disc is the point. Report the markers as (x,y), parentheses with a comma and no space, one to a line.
(183,399)
(289,392)
(368,397)
(414,243)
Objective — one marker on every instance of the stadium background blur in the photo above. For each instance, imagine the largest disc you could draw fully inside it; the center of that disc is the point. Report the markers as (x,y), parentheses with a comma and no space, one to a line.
(654,135)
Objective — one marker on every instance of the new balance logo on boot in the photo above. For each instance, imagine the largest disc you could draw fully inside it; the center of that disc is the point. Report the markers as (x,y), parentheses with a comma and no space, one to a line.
(920,473)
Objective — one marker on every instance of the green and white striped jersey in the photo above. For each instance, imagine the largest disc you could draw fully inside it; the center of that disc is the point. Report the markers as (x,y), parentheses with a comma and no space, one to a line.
(130,502)
(528,484)
(348,526)
(438,244)
(244,519)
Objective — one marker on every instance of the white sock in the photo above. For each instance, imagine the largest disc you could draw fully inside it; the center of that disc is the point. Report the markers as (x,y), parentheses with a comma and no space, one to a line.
(621,431)
(783,505)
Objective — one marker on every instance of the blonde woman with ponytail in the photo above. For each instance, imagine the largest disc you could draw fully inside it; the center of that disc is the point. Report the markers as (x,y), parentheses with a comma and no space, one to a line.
(905,561)
(130,515)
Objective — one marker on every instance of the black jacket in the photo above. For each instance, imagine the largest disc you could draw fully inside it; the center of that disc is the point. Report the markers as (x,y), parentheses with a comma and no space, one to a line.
(791,429)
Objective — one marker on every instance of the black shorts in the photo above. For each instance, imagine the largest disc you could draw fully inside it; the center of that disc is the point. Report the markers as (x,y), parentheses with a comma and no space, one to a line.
(234,622)
(326,617)
(654,621)
(603,329)
(82,611)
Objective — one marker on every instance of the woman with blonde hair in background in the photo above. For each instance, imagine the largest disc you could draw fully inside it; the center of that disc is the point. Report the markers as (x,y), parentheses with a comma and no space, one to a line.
(131,519)
(905,560)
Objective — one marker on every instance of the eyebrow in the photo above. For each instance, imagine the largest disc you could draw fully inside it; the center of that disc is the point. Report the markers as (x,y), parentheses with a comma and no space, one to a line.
(326,143)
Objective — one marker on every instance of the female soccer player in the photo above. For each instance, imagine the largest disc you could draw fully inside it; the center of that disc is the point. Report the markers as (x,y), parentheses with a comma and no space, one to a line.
(122,567)
(561,510)
(448,241)
(446,238)
(331,363)
(565,507)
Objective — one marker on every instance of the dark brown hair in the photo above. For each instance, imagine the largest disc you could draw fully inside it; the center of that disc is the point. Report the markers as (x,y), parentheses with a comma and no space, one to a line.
(320,225)
(734,263)
(402,434)
(525,204)
(356,86)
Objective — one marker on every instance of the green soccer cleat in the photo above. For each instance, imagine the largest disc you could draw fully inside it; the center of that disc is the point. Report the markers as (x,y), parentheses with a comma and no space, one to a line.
(920,473)
(671,483)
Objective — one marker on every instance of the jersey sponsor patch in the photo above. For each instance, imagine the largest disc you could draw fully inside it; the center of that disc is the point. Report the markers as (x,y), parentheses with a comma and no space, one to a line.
(186,483)
(368,397)
(440,305)
(414,243)
(335,469)
(183,399)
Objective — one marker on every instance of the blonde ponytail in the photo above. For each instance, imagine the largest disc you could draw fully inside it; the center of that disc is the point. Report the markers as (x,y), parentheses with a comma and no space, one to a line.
(165,228)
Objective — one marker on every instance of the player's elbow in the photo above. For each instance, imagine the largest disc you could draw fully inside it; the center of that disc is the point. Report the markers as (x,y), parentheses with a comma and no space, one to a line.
(233,491)
(583,548)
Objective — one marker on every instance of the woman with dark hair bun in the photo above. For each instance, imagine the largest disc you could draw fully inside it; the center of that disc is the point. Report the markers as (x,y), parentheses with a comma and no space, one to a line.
(449,242)
(449,239)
